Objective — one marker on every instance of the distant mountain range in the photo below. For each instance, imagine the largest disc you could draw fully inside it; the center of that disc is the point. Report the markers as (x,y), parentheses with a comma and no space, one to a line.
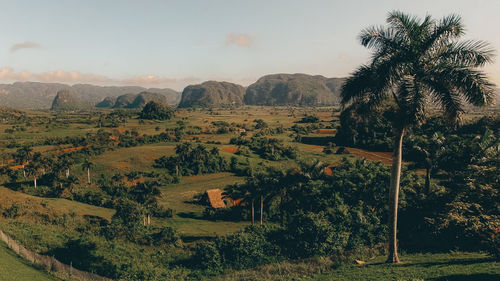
(36,95)
(275,89)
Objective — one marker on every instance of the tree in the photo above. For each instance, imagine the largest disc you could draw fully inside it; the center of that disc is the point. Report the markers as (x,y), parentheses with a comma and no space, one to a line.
(154,110)
(86,166)
(146,193)
(413,62)
(33,169)
(428,151)
(22,155)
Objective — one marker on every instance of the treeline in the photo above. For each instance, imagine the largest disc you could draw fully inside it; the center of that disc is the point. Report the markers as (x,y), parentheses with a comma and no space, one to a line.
(267,148)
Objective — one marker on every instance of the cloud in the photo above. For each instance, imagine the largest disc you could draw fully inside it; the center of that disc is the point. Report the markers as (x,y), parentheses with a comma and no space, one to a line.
(238,39)
(159,81)
(8,74)
(24,45)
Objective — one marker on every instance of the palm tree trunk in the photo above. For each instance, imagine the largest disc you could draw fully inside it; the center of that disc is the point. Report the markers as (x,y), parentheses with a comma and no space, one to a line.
(253,212)
(34,181)
(149,219)
(88,175)
(428,180)
(261,209)
(394,196)
(67,173)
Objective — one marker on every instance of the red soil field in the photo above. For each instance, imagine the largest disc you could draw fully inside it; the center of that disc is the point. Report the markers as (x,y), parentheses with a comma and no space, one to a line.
(197,136)
(230,149)
(384,157)
(325,131)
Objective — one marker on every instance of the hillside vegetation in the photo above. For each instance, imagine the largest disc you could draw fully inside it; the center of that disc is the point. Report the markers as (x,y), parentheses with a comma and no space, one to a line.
(294,89)
(212,94)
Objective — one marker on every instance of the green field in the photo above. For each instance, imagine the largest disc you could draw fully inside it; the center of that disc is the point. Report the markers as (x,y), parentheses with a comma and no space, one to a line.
(451,267)
(46,224)
(13,268)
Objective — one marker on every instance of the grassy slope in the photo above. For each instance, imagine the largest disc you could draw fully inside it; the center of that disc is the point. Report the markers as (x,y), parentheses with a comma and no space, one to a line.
(30,204)
(454,266)
(13,268)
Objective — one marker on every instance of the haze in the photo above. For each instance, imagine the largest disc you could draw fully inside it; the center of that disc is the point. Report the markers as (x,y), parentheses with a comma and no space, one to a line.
(175,43)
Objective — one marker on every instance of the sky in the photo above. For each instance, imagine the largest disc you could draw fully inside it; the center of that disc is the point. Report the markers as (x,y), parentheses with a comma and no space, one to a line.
(176,43)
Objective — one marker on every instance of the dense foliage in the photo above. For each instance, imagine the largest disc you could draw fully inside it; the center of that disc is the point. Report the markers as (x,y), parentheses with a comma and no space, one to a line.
(191,160)
(156,111)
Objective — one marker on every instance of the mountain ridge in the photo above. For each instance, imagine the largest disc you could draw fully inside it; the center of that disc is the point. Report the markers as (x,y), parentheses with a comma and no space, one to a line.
(40,95)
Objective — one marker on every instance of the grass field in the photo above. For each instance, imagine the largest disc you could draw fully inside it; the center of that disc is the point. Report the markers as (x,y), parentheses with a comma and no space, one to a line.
(455,266)
(55,206)
(442,267)
(13,268)
(187,219)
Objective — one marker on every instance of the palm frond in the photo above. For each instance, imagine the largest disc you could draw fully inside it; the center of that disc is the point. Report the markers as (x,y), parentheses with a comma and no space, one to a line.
(468,53)
(472,84)
(444,95)
(376,37)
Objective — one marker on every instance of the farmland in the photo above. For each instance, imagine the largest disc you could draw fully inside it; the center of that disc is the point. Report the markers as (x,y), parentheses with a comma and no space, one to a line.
(65,211)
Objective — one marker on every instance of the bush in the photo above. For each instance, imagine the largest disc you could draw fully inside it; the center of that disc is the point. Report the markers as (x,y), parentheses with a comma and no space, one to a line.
(312,234)
(247,248)
(164,235)
(12,212)
(207,257)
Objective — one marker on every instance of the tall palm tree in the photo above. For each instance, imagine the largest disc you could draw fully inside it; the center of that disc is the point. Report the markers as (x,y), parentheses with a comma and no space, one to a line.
(86,165)
(23,155)
(415,61)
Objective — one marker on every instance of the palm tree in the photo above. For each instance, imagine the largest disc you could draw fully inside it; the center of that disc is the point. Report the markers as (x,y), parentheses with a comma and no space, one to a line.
(416,61)
(22,155)
(33,169)
(428,151)
(86,165)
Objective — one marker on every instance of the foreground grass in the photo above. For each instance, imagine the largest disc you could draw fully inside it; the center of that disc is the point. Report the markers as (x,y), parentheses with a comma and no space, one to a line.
(13,267)
(445,266)
(455,266)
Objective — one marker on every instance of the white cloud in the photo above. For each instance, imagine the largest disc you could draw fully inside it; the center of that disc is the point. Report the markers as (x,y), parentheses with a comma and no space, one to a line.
(238,39)
(155,81)
(8,74)
(24,45)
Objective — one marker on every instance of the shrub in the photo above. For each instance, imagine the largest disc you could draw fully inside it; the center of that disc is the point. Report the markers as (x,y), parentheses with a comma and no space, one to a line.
(312,234)
(12,212)
(207,257)
(165,235)
(246,249)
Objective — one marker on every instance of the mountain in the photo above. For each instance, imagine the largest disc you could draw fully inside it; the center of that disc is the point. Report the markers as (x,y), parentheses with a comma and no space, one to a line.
(137,101)
(36,95)
(124,101)
(66,100)
(107,102)
(294,89)
(212,94)
(144,97)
